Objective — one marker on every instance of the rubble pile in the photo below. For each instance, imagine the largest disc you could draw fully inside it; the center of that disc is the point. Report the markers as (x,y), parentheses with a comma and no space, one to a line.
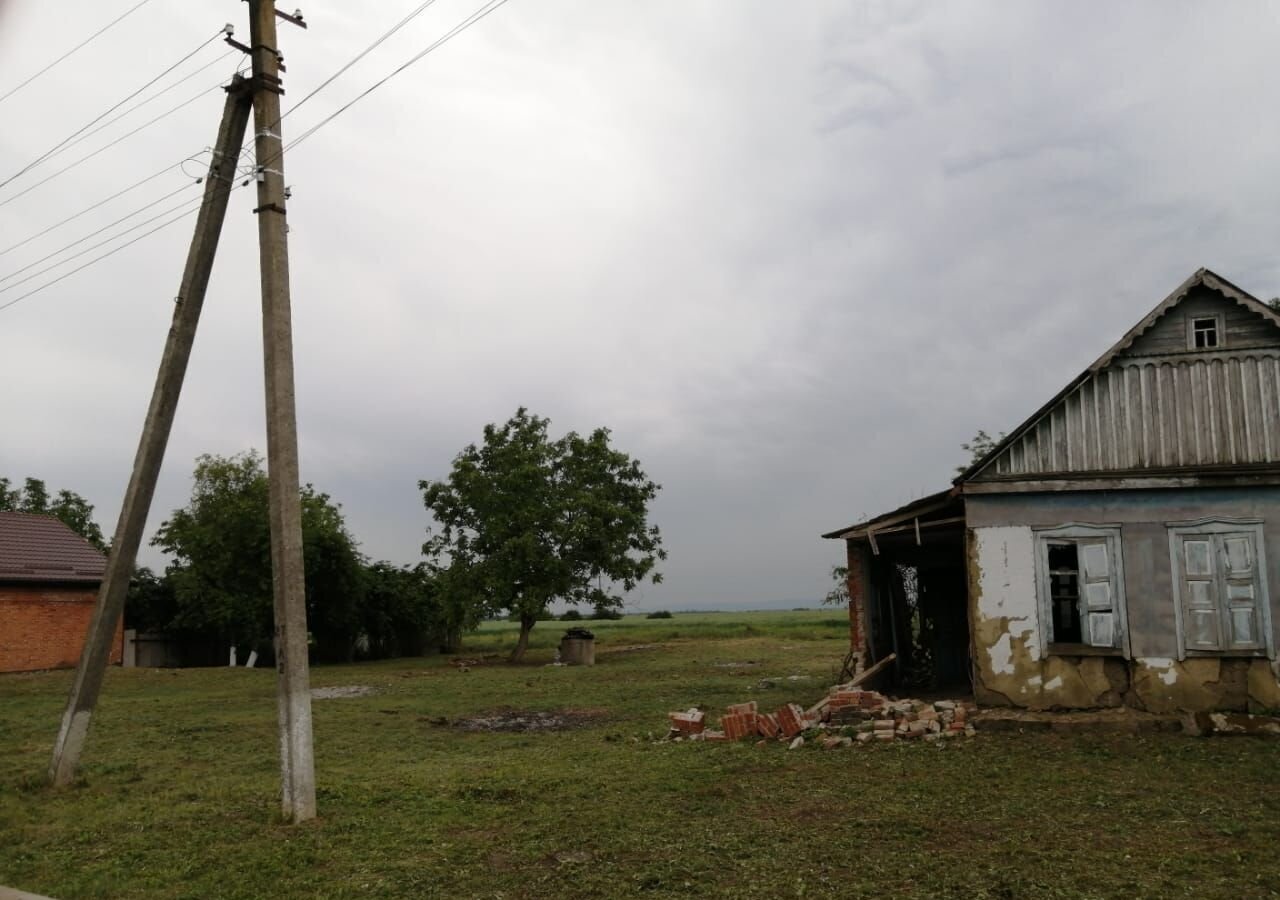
(845,716)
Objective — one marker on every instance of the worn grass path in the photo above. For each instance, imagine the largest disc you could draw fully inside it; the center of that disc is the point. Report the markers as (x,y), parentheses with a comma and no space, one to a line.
(177,798)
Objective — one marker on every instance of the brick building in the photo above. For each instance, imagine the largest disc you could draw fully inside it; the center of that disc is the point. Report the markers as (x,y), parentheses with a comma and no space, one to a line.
(49,579)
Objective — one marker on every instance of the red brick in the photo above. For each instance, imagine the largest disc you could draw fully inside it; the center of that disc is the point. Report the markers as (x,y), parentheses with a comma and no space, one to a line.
(688,723)
(43,627)
(738,725)
(749,707)
(791,719)
(768,726)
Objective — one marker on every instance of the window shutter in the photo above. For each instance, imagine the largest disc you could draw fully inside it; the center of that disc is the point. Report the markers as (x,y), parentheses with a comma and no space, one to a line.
(1200,594)
(1241,620)
(1098,594)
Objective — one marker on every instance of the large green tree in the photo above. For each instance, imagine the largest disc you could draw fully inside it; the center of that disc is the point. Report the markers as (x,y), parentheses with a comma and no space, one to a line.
(67,506)
(221,574)
(524,520)
(398,617)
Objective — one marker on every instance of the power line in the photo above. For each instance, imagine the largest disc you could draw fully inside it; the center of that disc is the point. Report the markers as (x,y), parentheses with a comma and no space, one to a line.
(76,48)
(462,26)
(99,259)
(44,156)
(466,23)
(92,234)
(88,209)
(106,147)
(90,249)
(421,8)
(359,56)
(137,106)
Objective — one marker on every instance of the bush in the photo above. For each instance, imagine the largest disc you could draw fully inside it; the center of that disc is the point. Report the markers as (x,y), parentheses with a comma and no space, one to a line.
(571,616)
(660,614)
(606,614)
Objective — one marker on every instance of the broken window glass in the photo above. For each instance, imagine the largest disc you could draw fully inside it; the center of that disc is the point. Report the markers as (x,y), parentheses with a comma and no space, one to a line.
(1078,567)
(1064,592)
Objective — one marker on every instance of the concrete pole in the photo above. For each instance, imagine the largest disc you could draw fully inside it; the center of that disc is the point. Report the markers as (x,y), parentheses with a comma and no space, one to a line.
(293,688)
(155,436)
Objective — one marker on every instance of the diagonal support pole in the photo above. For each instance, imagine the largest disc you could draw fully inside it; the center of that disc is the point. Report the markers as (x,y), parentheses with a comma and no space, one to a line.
(155,436)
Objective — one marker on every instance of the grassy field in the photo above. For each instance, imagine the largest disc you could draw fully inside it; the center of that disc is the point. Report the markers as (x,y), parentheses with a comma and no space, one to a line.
(177,797)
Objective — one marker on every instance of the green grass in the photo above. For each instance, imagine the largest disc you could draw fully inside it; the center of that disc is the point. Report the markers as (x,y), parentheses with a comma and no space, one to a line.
(177,798)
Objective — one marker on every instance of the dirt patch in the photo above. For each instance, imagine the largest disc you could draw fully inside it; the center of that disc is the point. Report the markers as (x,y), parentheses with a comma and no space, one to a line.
(470,662)
(630,648)
(526,720)
(341,691)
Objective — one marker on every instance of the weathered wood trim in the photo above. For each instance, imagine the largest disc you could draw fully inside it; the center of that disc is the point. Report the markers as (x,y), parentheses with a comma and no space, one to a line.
(1114,481)
(1217,525)
(1112,535)
(917,526)
(1176,359)
(1060,649)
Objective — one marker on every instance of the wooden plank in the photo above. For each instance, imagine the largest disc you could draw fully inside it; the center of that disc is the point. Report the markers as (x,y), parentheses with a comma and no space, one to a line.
(873,671)
(901,529)
(1223,476)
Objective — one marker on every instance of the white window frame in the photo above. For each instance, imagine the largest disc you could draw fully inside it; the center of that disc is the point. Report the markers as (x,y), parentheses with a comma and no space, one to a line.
(1081,532)
(1213,526)
(1218,331)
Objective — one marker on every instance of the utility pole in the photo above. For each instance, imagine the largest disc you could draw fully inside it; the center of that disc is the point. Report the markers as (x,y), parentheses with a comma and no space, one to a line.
(155,436)
(293,688)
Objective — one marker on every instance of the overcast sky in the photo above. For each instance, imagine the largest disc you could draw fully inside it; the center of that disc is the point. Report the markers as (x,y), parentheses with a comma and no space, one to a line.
(793,254)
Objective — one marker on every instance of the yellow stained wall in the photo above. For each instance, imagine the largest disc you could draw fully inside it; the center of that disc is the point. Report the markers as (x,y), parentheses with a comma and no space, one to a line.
(1012,669)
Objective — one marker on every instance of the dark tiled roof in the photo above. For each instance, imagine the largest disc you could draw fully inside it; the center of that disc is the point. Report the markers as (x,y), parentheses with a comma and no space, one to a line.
(40,548)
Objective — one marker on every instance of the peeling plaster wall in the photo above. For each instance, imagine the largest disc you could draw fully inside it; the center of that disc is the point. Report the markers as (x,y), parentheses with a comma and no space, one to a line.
(1012,668)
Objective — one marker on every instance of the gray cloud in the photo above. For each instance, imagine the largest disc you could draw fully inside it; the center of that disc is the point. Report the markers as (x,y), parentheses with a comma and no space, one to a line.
(792,255)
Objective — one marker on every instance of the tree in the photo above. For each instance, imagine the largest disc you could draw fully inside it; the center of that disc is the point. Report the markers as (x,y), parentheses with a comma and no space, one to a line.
(67,507)
(399,616)
(839,593)
(221,574)
(526,520)
(150,604)
(977,447)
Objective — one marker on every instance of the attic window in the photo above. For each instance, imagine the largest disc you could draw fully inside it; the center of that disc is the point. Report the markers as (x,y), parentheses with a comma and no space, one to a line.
(1205,333)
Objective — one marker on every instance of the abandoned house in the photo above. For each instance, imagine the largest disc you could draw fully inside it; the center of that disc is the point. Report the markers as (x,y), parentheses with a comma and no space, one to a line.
(1116,548)
(49,578)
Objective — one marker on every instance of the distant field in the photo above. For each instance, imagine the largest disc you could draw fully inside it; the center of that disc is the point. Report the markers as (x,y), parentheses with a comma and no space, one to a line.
(177,798)
(797,625)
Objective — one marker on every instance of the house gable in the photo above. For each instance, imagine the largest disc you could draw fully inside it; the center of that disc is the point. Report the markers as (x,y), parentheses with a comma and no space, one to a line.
(1242,327)
(1158,403)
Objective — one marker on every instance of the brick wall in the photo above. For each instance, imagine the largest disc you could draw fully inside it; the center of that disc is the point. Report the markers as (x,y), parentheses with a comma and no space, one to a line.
(43,627)
(858,583)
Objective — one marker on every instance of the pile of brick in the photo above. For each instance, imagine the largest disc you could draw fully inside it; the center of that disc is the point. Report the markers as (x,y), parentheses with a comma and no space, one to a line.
(844,716)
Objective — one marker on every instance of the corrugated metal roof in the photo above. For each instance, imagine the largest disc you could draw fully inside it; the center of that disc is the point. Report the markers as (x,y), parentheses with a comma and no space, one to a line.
(932,504)
(42,549)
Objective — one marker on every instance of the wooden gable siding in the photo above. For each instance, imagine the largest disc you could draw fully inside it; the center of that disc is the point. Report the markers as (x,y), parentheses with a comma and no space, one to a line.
(1242,328)
(1190,410)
